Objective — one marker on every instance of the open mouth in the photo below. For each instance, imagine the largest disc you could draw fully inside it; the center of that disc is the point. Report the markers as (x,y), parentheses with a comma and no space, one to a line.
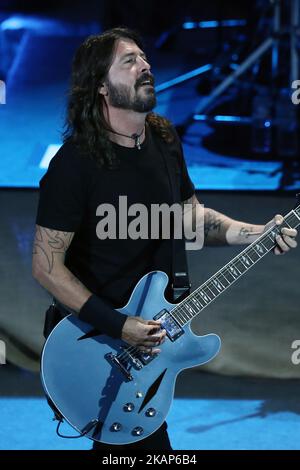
(147,83)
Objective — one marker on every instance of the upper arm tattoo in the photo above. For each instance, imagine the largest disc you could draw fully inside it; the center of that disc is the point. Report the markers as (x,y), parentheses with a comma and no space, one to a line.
(51,244)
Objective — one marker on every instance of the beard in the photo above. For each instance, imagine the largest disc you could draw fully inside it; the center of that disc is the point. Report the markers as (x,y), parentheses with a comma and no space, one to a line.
(120,97)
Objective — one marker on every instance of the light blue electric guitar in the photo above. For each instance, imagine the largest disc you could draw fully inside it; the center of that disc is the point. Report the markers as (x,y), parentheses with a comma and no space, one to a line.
(110,391)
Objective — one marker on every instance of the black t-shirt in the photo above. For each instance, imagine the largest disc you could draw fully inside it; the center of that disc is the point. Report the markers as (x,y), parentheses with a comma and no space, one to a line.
(74,187)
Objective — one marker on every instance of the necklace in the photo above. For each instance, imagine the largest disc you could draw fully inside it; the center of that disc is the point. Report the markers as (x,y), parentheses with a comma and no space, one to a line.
(135,137)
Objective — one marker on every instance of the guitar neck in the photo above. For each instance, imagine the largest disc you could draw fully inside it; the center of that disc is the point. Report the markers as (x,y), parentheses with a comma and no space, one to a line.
(190,307)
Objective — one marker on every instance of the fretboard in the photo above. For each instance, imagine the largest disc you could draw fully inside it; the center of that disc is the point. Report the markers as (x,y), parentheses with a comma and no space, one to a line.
(190,307)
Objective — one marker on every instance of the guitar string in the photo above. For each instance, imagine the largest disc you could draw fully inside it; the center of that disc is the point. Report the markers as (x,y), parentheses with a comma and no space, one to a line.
(265,235)
(215,283)
(180,308)
(133,349)
(215,286)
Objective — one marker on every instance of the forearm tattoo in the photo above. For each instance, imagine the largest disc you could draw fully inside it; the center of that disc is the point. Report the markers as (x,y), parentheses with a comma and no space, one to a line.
(49,242)
(212,223)
(247,232)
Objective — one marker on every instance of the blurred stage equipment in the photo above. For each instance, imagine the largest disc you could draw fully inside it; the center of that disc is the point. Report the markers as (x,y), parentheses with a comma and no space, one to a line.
(274,118)
(167,36)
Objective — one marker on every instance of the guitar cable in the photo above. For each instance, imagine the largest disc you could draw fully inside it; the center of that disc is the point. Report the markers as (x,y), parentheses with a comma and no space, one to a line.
(86,429)
(63,435)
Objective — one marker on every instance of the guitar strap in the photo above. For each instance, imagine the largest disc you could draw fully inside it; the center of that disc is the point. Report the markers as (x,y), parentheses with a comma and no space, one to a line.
(180,283)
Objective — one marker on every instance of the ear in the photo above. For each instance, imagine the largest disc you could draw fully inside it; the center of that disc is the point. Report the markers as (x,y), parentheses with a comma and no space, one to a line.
(103,89)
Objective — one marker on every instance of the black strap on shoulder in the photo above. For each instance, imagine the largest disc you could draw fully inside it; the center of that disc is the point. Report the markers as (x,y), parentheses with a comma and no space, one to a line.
(180,282)
(53,316)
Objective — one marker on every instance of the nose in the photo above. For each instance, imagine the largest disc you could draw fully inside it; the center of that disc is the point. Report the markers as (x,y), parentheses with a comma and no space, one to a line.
(144,65)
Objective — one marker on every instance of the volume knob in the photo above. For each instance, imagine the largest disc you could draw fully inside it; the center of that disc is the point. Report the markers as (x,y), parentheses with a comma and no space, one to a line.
(151,412)
(128,407)
(138,431)
(116,427)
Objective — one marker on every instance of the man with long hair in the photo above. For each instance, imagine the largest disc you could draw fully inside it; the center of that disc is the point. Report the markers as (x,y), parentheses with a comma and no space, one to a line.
(115,145)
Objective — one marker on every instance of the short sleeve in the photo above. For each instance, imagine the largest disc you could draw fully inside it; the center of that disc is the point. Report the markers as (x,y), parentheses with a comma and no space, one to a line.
(62,193)
(187,188)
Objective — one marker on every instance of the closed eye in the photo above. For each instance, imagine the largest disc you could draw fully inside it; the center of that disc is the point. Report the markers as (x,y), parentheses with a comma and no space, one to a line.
(132,59)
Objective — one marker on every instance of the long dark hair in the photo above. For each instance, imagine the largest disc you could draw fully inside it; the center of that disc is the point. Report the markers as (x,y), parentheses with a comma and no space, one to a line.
(85,123)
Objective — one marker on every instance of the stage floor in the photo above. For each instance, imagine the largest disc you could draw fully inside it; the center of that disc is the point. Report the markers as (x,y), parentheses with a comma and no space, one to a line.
(209,412)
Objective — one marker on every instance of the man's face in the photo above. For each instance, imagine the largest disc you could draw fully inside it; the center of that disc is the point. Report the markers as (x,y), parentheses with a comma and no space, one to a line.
(130,82)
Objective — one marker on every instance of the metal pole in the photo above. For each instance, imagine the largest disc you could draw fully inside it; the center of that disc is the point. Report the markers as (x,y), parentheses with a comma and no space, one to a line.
(232,77)
(276,30)
(294,26)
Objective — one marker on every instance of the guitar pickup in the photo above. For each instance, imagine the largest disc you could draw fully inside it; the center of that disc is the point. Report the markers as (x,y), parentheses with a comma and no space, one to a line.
(168,323)
(146,358)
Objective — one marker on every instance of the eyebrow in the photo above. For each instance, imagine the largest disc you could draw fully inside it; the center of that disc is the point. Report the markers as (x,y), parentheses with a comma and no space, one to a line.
(131,54)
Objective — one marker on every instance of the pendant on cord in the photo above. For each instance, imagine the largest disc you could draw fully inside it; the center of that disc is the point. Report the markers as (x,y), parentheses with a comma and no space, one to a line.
(137,140)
